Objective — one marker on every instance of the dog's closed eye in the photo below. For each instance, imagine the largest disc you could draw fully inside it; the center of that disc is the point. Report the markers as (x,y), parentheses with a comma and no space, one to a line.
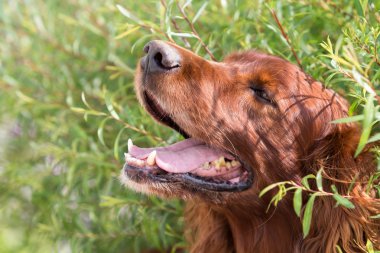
(261,94)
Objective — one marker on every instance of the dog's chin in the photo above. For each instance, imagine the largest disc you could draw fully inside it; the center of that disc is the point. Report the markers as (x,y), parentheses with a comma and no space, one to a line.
(151,188)
(174,191)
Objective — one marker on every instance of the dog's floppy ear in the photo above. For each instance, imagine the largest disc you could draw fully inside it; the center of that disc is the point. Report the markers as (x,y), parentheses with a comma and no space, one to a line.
(349,228)
(339,226)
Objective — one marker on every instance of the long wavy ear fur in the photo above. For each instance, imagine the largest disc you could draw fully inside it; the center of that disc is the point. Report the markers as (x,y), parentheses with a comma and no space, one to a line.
(334,225)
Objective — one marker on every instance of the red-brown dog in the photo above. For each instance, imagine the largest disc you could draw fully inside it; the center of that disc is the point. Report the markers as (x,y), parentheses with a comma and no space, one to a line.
(250,121)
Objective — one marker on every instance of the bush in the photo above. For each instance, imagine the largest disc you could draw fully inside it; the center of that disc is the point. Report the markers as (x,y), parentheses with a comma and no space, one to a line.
(67,105)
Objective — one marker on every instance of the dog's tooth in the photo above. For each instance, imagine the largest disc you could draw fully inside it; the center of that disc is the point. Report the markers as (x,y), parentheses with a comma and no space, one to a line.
(130,145)
(206,166)
(222,162)
(151,160)
(235,163)
(228,165)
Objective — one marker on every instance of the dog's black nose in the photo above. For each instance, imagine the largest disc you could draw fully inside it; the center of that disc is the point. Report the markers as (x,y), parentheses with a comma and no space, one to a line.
(160,57)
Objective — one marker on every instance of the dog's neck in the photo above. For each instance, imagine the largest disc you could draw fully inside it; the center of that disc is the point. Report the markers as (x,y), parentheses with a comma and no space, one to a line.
(254,231)
(249,229)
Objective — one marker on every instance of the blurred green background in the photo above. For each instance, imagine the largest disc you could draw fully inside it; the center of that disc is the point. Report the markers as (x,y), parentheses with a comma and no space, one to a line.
(67,105)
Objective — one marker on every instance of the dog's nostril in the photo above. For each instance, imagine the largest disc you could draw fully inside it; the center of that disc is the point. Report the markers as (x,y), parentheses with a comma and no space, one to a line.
(146,49)
(158,60)
(164,61)
(161,57)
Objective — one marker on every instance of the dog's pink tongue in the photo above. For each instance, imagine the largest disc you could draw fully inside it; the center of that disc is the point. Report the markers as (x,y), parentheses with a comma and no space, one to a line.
(181,157)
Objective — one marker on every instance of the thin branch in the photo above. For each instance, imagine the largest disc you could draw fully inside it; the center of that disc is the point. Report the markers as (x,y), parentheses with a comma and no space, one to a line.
(286,38)
(138,130)
(195,33)
(370,85)
(176,26)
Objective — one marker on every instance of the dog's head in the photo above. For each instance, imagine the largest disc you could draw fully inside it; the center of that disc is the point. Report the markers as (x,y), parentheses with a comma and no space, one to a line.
(248,121)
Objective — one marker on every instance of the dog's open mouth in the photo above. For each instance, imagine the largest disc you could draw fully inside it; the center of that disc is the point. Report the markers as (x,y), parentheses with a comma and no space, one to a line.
(189,162)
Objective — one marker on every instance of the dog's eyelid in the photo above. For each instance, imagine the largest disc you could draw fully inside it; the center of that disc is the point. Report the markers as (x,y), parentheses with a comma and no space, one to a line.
(262,94)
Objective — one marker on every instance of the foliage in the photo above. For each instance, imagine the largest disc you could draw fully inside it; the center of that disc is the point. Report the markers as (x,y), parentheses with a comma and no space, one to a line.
(67,104)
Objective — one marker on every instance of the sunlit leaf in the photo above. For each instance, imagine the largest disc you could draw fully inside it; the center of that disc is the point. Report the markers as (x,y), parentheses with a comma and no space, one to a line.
(307,215)
(305,181)
(270,187)
(369,247)
(367,124)
(126,33)
(297,201)
(318,179)
(199,12)
(110,108)
(349,119)
(116,146)
(101,131)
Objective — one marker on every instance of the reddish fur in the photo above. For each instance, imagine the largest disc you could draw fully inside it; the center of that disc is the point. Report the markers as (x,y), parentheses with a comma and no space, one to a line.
(213,102)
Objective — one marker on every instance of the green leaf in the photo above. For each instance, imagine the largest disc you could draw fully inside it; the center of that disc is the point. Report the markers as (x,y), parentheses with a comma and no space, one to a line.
(183,35)
(305,181)
(126,33)
(367,124)
(343,201)
(128,14)
(355,118)
(78,110)
(369,247)
(188,2)
(364,6)
(108,201)
(199,13)
(85,101)
(270,187)
(116,144)
(374,138)
(109,105)
(377,216)
(340,199)
(101,130)
(338,249)
(297,201)
(318,179)
(307,215)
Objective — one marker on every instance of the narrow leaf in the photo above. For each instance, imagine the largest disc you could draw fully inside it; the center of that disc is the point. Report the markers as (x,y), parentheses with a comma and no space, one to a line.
(126,33)
(367,124)
(338,249)
(376,216)
(78,110)
(343,201)
(369,247)
(101,130)
(128,14)
(108,101)
(199,13)
(84,100)
(183,35)
(318,179)
(270,187)
(374,138)
(305,181)
(297,201)
(307,215)
(348,119)
(116,146)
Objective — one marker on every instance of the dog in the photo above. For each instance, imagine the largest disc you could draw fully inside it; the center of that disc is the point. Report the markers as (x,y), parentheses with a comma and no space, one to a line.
(250,121)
